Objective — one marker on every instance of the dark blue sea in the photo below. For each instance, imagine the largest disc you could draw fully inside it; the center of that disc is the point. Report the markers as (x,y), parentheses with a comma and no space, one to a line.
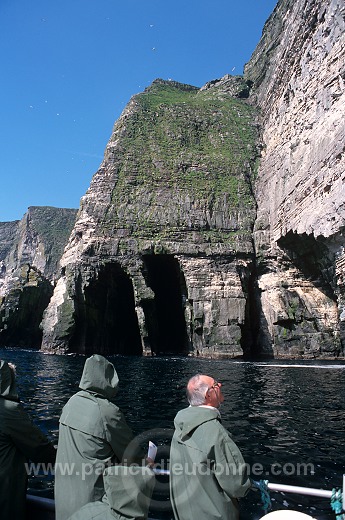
(287,417)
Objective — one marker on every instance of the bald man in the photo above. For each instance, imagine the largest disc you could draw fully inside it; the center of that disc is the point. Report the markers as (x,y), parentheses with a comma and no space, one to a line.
(207,471)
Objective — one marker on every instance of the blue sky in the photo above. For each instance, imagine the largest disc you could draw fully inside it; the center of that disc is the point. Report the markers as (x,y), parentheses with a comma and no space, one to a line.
(69,67)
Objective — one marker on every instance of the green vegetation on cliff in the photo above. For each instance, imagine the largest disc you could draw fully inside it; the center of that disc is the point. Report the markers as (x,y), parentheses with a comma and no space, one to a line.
(186,158)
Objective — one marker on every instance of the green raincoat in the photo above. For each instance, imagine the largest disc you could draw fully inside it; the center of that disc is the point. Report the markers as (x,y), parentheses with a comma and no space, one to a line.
(20,441)
(128,491)
(93,434)
(207,470)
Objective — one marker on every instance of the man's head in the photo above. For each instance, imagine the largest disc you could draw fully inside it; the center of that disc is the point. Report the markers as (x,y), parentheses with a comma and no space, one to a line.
(204,390)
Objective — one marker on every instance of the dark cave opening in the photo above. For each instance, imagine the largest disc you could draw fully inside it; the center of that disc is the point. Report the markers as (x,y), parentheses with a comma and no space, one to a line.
(165,319)
(111,324)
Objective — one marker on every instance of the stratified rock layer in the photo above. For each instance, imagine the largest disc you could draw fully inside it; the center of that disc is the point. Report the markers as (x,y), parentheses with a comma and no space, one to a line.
(298,70)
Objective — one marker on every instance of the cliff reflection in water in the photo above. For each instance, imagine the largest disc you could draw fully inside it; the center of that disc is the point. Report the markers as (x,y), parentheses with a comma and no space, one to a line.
(281,415)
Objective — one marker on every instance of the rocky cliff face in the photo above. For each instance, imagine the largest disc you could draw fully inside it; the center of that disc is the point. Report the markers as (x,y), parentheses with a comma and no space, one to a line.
(205,260)
(30,250)
(298,71)
(214,225)
(161,256)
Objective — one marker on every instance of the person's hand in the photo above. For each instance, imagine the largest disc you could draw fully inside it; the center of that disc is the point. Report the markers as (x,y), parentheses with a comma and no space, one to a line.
(150,462)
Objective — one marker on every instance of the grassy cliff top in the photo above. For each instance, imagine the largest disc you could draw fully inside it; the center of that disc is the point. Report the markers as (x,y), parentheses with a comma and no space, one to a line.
(182,155)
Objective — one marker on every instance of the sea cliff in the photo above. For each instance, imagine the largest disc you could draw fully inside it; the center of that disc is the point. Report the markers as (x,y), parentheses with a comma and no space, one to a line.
(214,225)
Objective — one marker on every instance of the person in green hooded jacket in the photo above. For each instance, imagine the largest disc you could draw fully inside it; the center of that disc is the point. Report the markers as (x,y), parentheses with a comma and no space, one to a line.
(207,470)
(20,441)
(93,434)
(128,491)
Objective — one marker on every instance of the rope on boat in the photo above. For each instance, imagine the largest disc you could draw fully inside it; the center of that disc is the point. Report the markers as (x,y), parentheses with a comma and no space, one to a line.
(265,496)
(262,486)
(337,504)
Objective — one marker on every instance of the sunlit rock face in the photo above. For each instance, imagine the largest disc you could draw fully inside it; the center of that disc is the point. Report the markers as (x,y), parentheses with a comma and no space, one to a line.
(160,259)
(298,71)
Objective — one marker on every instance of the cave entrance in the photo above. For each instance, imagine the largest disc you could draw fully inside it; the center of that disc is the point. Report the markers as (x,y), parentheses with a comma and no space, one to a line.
(164,316)
(111,324)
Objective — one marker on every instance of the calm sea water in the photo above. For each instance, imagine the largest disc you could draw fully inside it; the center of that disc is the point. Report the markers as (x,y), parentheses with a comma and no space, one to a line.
(284,416)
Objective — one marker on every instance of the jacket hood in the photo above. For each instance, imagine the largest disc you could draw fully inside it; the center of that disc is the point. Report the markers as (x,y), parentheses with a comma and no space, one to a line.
(7,382)
(99,376)
(128,491)
(190,418)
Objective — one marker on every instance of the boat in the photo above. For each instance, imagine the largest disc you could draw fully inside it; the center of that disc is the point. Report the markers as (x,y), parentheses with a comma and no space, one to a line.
(39,508)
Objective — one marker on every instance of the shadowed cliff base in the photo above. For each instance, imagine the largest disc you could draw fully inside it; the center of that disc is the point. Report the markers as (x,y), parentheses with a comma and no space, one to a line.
(22,309)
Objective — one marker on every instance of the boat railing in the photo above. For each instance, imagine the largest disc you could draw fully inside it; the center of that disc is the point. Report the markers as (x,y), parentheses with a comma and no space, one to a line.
(323,493)
(46,504)
(337,497)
